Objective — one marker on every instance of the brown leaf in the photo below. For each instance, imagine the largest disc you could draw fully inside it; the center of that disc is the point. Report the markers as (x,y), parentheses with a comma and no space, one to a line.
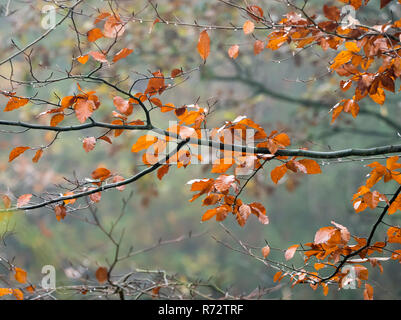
(6,201)
(162,171)
(60,212)
(101,274)
(101,173)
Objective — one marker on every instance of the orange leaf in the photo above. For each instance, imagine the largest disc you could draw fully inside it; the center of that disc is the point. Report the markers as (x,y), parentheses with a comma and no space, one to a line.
(5,291)
(56,119)
(277,173)
(289,253)
(20,275)
(15,103)
(248,27)
(312,167)
(101,173)
(265,251)
(277,276)
(37,156)
(94,34)
(233,51)
(143,142)
(204,45)
(368,292)
(122,54)
(162,171)
(17,293)
(69,201)
(16,152)
(209,214)
(342,58)
(83,59)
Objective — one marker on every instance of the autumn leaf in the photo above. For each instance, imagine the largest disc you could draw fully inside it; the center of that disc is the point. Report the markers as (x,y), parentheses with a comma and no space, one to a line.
(277,276)
(233,51)
(89,143)
(95,197)
(37,156)
(15,103)
(119,179)
(69,201)
(56,119)
(122,54)
(265,251)
(331,13)
(175,73)
(16,152)
(204,45)
(209,214)
(368,292)
(255,12)
(101,173)
(83,59)
(23,200)
(258,47)
(162,171)
(394,235)
(101,274)
(248,27)
(342,58)
(277,173)
(60,211)
(289,253)
(6,201)
(94,34)
(20,275)
(143,142)
(312,167)
(83,109)
(98,56)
